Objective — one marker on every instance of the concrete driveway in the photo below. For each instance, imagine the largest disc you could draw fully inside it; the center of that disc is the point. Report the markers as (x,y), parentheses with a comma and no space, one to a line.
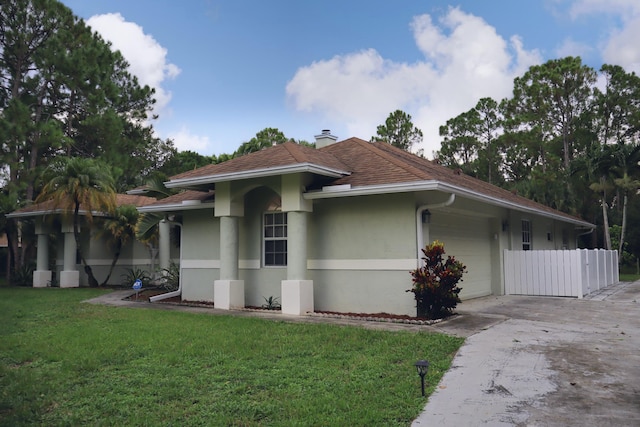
(543,361)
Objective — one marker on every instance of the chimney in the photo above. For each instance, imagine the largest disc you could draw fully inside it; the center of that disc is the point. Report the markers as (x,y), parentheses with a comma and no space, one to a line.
(325,138)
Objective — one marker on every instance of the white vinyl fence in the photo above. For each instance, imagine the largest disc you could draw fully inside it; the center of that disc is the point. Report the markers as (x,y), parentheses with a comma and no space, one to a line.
(563,273)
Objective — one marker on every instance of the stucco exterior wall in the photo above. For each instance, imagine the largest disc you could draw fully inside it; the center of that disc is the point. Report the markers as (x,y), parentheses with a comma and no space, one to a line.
(546,233)
(261,283)
(366,228)
(200,254)
(360,251)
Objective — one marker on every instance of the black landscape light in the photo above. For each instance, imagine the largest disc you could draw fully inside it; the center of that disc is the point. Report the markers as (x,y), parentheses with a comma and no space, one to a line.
(422,366)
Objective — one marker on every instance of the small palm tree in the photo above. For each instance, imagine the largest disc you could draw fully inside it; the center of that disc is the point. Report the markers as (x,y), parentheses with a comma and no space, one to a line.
(74,182)
(119,229)
(147,228)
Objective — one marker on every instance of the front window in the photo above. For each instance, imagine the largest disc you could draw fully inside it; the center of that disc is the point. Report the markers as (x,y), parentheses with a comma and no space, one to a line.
(275,239)
(526,235)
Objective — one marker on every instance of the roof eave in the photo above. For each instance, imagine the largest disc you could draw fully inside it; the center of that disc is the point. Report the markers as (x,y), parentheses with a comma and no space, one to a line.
(367,190)
(512,205)
(258,173)
(50,212)
(438,186)
(175,207)
(137,191)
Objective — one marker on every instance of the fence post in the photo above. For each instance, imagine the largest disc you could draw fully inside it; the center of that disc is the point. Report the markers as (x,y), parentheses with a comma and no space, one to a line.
(576,273)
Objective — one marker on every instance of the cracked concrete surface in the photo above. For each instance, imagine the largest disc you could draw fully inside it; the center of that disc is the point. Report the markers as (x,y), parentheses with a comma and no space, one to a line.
(551,361)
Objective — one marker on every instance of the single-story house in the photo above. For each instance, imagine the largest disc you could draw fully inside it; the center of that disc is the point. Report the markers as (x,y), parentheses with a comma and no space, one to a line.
(57,257)
(338,227)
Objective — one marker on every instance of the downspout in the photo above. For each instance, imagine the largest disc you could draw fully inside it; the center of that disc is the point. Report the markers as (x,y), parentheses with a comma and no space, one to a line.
(583,234)
(177,292)
(419,212)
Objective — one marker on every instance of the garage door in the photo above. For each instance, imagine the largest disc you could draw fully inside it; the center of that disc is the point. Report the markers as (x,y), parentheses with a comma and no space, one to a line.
(469,240)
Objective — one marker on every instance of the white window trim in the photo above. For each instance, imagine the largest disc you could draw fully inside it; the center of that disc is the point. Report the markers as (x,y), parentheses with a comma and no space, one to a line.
(265,239)
(529,233)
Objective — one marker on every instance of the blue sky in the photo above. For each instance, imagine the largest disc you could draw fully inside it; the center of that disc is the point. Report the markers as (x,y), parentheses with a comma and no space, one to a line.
(224,70)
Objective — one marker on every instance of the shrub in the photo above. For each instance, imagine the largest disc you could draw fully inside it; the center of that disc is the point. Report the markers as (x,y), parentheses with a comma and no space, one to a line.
(170,279)
(23,276)
(435,284)
(271,303)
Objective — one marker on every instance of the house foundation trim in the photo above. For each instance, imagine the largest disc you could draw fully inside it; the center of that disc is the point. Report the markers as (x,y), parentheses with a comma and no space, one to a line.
(297,297)
(69,279)
(228,294)
(41,278)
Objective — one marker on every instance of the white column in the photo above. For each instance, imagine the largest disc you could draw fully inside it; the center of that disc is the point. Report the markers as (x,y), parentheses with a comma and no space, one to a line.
(296,245)
(164,231)
(69,276)
(228,292)
(229,248)
(42,274)
(297,290)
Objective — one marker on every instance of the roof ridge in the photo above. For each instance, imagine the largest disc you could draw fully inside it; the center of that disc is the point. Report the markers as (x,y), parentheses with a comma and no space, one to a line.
(294,150)
(389,157)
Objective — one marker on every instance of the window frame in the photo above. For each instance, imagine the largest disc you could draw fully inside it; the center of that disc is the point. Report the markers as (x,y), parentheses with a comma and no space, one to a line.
(274,231)
(527,235)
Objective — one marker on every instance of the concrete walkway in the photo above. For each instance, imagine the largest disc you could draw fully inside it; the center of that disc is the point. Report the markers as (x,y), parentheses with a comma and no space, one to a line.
(551,362)
(527,361)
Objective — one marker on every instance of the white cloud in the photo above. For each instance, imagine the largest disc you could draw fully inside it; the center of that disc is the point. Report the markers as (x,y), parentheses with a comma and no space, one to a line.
(622,48)
(146,57)
(570,47)
(184,140)
(588,7)
(464,60)
(621,45)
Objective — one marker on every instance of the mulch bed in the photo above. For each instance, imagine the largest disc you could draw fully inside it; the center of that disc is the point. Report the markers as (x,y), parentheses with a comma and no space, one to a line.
(145,294)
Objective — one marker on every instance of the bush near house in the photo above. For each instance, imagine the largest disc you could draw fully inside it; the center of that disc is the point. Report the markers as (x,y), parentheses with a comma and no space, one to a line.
(435,284)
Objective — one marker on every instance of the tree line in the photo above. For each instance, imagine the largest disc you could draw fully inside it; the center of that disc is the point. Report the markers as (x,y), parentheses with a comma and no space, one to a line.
(66,94)
(568,137)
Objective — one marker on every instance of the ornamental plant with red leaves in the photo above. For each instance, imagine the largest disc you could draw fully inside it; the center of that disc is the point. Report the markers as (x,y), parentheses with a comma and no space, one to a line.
(435,284)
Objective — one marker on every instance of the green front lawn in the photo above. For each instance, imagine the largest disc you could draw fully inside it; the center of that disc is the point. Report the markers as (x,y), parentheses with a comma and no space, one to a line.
(64,362)
(629,277)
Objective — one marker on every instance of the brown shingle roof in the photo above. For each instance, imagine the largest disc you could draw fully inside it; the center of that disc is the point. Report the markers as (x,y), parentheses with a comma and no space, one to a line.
(380,163)
(286,154)
(365,164)
(49,207)
(187,195)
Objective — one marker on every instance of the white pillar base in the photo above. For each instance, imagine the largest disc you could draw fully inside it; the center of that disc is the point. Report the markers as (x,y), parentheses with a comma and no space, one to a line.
(70,279)
(41,278)
(297,297)
(228,294)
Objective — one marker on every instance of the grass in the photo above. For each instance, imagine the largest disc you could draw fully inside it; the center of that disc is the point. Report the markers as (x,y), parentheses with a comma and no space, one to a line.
(629,277)
(64,362)
(629,273)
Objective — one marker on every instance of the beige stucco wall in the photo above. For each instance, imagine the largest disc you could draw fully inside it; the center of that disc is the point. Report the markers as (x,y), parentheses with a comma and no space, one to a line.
(367,227)
(99,255)
(361,249)
(200,254)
